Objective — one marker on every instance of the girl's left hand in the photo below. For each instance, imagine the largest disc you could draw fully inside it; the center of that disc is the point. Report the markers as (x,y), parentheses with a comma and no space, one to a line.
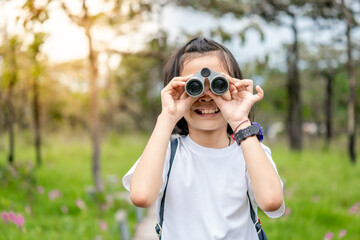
(235,105)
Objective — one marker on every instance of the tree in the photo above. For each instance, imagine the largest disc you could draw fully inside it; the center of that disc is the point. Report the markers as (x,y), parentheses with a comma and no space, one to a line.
(33,51)
(350,24)
(9,80)
(121,13)
(345,11)
(35,14)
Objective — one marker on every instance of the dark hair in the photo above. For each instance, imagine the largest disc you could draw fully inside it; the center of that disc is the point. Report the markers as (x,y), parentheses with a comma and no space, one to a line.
(194,48)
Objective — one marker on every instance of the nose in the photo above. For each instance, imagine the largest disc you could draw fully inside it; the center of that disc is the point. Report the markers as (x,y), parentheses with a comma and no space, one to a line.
(205,97)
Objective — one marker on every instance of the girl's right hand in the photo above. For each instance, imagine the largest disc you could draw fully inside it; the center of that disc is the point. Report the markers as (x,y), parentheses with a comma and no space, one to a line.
(175,101)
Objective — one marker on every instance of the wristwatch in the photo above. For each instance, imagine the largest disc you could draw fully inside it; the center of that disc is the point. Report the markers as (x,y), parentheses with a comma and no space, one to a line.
(254,129)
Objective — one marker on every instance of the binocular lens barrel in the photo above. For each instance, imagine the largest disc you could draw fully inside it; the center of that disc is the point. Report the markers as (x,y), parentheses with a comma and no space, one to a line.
(219,85)
(195,85)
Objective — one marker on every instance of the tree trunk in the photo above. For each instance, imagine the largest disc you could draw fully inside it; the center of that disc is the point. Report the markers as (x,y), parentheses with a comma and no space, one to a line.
(94,115)
(36,116)
(352,99)
(329,79)
(10,119)
(10,110)
(352,86)
(294,118)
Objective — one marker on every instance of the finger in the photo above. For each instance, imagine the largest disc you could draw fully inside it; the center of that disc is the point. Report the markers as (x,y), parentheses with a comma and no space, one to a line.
(230,79)
(260,93)
(219,100)
(176,80)
(245,84)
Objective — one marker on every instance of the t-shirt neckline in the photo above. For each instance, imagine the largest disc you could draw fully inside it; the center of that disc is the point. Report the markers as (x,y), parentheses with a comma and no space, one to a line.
(210,151)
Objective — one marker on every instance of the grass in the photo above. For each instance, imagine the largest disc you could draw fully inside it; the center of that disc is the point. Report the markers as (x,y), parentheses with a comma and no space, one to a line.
(320,187)
(67,168)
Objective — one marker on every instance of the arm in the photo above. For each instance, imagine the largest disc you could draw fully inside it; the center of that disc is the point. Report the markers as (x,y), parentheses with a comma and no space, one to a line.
(265,181)
(147,178)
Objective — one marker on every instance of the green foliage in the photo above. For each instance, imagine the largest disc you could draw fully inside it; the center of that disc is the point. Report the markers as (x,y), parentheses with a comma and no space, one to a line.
(139,83)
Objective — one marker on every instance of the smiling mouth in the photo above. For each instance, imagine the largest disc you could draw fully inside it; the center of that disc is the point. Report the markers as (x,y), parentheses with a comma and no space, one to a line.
(207,111)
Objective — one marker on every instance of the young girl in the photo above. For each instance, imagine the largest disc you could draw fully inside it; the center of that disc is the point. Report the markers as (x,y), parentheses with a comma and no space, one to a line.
(212,176)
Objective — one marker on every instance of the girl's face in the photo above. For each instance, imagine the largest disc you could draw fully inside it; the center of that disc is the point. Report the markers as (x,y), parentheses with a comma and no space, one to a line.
(204,115)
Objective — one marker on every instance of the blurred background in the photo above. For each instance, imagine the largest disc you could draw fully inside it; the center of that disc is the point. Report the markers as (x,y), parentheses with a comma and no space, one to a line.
(80,86)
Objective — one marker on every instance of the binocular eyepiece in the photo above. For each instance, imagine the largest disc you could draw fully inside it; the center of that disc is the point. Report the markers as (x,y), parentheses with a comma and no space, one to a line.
(196,84)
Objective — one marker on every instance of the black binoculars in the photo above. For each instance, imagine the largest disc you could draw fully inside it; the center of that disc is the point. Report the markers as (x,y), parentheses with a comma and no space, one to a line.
(195,85)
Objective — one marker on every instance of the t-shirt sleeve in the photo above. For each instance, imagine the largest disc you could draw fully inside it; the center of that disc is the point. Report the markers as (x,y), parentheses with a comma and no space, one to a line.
(127,178)
(273,214)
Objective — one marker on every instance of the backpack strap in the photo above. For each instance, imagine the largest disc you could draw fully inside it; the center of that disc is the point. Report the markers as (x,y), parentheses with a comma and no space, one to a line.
(173,147)
(256,222)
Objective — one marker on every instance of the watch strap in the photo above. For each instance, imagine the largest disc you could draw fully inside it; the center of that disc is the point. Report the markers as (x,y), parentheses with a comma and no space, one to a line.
(242,134)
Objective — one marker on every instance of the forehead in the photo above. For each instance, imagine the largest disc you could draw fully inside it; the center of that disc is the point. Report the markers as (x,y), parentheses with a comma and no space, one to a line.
(197,62)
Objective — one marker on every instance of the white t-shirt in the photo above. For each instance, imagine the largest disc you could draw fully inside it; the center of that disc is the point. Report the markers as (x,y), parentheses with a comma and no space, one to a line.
(206,195)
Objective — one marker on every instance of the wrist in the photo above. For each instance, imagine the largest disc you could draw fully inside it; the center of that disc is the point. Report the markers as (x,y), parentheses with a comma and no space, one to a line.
(241,124)
(167,119)
(253,129)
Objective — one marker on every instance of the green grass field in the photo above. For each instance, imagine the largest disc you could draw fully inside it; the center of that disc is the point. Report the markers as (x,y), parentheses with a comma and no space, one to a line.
(321,191)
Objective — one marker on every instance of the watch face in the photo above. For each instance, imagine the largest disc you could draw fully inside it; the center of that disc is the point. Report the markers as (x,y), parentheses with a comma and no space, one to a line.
(254,129)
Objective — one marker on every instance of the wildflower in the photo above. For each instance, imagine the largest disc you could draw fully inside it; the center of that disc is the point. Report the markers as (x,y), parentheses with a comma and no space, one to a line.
(54,194)
(354,208)
(5,217)
(342,233)
(19,220)
(328,236)
(64,209)
(103,225)
(12,216)
(40,189)
(28,209)
(80,203)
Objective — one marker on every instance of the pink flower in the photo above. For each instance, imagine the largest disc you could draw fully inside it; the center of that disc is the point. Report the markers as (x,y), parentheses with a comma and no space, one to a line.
(328,236)
(342,233)
(5,217)
(40,189)
(354,208)
(12,216)
(28,209)
(103,225)
(19,220)
(54,194)
(80,203)
(64,209)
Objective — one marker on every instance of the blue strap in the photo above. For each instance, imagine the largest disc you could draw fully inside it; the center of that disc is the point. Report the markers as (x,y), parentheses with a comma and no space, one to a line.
(258,227)
(173,147)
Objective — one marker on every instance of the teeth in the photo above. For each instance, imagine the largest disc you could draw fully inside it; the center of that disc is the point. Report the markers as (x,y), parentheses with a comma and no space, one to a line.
(209,111)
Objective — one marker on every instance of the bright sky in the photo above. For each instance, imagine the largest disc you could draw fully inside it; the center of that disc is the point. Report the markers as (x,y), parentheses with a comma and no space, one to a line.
(67,41)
